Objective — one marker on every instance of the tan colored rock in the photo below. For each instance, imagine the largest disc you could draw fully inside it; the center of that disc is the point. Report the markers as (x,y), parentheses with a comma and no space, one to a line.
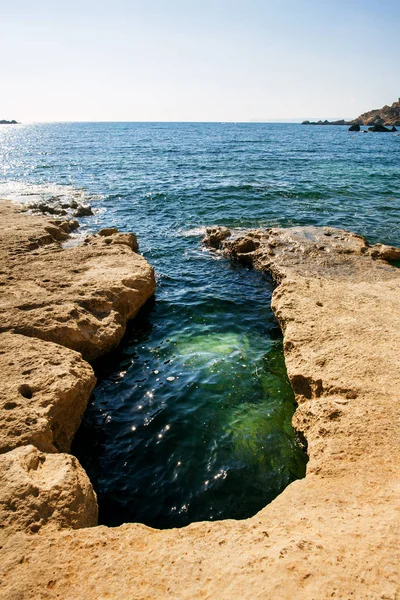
(387,115)
(44,392)
(115,237)
(40,490)
(385,252)
(216,235)
(334,534)
(107,231)
(80,297)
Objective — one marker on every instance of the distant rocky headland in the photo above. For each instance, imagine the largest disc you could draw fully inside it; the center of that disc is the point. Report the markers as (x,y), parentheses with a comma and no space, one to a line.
(4,122)
(379,119)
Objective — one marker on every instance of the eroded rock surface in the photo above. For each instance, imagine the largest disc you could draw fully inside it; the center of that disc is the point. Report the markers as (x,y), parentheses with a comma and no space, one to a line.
(44,392)
(314,252)
(79,297)
(334,534)
(39,490)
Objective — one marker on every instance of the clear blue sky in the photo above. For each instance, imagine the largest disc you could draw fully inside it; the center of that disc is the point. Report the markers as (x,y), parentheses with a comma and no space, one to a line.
(192,60)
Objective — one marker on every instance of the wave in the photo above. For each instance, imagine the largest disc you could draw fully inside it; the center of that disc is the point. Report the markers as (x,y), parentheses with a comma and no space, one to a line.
(194,232)
(31,193)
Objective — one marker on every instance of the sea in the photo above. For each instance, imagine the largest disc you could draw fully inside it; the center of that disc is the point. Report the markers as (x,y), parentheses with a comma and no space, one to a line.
(191,416)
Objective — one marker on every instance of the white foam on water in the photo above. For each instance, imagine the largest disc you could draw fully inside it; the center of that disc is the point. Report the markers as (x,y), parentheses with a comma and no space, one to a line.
(195,232)
(24,193)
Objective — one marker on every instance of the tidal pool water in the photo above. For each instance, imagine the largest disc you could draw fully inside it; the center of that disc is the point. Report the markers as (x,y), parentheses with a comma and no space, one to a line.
(191,417)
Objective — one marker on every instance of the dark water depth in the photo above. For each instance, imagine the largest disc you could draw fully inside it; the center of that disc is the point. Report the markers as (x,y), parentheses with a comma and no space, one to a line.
(190,419)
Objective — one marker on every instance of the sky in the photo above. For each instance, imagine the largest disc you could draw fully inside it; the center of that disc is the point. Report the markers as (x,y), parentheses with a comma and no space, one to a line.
(191,60)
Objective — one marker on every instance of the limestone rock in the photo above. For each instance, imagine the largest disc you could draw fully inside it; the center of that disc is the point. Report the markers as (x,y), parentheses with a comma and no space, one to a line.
(44,392)
(115,237)
(216,235)
(322,252)
(333,534)
(79,297)
(387,115)
(58,206)
(106,231)
(39,490)
(384,252)
(83,210)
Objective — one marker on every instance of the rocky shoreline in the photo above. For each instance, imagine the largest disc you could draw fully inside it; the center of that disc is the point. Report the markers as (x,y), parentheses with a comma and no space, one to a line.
(379,120)
(332,534)
(58,308)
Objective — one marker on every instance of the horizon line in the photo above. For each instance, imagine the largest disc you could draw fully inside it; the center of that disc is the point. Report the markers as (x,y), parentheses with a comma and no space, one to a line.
(248,121)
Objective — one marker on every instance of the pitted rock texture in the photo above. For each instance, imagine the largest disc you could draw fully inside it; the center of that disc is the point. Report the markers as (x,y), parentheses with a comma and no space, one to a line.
(40,490)
(80,297)
(44,393)
(334,534)
(77,298)
(314,252)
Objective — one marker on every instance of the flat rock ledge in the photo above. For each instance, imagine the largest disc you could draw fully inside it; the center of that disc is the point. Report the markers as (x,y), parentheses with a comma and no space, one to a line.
(80,297)
(334,534)
(59,307)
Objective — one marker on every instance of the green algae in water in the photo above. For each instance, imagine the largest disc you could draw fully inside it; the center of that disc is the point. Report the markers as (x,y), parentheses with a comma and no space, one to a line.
(191,417)
(261,432)
(211,345)
(229,450)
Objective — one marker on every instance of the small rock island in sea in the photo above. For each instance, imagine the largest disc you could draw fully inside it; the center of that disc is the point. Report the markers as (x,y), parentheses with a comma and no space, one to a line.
(4,122)
(377,120)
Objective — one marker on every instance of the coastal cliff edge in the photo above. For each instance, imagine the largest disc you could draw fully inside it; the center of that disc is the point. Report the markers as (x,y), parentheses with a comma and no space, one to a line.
(334,534)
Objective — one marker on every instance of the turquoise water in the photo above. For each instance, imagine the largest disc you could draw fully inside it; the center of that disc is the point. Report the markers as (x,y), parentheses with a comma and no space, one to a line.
(190,419)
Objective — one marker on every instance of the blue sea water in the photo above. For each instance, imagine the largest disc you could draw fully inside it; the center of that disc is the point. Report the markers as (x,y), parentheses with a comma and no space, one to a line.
(190,419)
